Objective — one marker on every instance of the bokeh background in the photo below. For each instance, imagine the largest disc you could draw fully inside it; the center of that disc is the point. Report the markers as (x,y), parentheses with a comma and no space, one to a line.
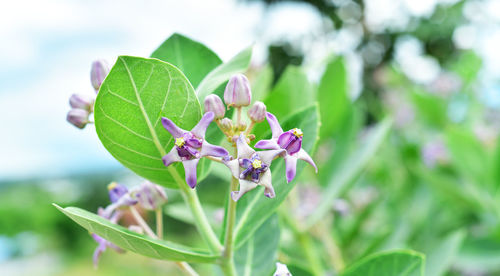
(433,65)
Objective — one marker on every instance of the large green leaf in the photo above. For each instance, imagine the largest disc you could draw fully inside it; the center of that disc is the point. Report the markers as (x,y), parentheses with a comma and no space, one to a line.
(292,92)
(392,263)
(257,256)
(194,59)
(350,169)
(128,110)
(333,97)
(223,72)
(254,208)
(132,241)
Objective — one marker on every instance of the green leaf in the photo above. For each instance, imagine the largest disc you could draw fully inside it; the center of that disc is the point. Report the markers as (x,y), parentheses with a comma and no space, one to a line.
(292,92)
(350,169)
(262,83)
(392,263)
(254,208)
(223,72)
(430,107)
(257,256)
(132,241)
(128,110)
(194,59)
(333,97)
(441,257)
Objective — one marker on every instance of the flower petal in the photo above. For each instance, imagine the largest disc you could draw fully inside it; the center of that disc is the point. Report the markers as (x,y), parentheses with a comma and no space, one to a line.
(291,167)
(234,166)
(97,253)
(171,157)
(274,124)
(200,129)
(208,149)
(303,155)
(245,186)
(265,180)
(267,156)
(172,127)
(244,150)
(190,171)
(267,144)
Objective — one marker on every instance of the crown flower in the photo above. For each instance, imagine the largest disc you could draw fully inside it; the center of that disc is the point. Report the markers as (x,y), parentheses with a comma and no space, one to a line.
(291,141)
(252,168)
(190,146)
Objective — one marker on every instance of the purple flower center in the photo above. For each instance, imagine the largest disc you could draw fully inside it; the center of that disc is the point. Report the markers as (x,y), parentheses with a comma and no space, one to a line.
(188,146)
(291,140)
(253,168)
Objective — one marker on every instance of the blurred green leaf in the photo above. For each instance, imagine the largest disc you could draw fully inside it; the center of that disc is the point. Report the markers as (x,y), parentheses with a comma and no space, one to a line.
(430,108)
(262,83)
(128,110)
(132,241)
(441,257)
(391,263)
(467,66)
(194,59)
(467,154)
(222,73)
(333,97)
(349,170)
(292,92)
(254,208)
(258,254)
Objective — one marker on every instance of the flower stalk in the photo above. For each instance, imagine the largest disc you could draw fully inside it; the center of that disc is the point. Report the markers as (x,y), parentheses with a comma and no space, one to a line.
(228,252)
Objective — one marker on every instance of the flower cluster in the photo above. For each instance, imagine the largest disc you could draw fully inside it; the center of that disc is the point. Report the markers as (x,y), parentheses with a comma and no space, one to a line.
(148,196)
(250,167)
(82,105)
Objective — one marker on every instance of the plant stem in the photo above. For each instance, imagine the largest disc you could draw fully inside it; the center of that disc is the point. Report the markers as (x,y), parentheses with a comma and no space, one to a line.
(331,246)
(142,223)
(250,127)
(238,116)
(186,268)
(200,219)
(227,254)
(159,222)
(218,160)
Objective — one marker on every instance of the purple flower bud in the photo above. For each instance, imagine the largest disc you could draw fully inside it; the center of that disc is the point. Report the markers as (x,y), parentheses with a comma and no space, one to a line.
(80,101)
(226,125)
(78,117)
(98,73)
(214,103)
(238,91)
(150,196)
(257,112)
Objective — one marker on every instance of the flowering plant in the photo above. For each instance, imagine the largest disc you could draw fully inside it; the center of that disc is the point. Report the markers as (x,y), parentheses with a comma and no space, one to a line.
(148,115)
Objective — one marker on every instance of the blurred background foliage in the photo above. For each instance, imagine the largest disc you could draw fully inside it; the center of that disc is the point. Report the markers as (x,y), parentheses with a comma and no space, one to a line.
(430,184)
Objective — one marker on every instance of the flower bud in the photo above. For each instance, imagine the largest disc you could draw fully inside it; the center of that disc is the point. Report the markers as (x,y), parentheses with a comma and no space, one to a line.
(214,103)
(257,112)
(78,117)
(150,196)
(226,125)
(98,73)
(82,102)
(238,91)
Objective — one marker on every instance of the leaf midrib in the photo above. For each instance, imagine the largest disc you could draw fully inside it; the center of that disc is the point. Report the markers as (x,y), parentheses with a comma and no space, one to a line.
(143,111)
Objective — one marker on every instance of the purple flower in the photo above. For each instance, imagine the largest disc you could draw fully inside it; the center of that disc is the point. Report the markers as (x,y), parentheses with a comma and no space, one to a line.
(81,101)
(257,112)
(190,146)
(252,168)
(119,197)
(150,196)
(291,141)
(103,244)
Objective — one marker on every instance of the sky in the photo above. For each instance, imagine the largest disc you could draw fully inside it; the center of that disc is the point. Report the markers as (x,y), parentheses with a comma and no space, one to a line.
(47,49)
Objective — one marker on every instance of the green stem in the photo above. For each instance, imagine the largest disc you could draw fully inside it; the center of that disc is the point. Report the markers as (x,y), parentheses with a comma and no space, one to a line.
(227,254)
(159,223)
(186,269)
(200,219)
